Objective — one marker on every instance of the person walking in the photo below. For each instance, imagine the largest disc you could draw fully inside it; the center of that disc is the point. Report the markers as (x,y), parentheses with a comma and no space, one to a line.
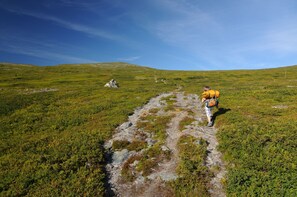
(209,98)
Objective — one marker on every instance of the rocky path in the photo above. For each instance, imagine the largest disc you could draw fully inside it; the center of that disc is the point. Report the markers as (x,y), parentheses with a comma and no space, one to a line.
(154,184)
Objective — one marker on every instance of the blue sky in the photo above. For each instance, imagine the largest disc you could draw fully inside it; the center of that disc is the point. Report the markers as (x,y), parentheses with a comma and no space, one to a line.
(164,34)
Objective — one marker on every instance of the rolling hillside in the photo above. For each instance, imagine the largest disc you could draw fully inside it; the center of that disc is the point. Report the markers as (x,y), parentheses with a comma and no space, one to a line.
(55,121)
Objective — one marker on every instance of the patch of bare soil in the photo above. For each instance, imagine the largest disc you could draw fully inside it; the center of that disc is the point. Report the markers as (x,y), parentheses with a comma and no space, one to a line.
(154,184)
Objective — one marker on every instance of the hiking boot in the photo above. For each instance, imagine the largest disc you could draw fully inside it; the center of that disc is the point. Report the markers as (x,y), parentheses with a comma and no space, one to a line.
(210,124)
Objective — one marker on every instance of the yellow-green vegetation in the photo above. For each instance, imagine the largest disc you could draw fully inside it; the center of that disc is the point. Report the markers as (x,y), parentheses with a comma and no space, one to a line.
(52,141)
(170,100)
(54,121)
(185,122)
(194,176)
(154,110)
(151,158)
(257,126)
(156,126)
(127,171)
(120,144)
(136,145)
(258,134)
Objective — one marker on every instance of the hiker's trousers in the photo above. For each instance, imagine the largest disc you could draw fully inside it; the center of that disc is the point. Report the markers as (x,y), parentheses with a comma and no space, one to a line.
(208,111)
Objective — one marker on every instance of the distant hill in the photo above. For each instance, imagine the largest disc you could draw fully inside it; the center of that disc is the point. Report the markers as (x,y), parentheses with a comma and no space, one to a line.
(101,65)
(121,65)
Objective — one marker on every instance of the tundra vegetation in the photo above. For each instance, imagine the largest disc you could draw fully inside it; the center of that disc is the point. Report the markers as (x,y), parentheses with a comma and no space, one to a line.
(54,121)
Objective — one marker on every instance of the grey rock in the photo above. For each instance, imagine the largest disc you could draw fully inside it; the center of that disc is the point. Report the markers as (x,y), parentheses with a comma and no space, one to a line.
(126,125)
(120,156)
(140,180)
(112,84)
(165,176)
(168,176)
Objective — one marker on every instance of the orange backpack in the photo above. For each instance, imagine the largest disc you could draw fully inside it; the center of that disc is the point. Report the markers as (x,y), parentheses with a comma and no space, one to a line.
(211,94)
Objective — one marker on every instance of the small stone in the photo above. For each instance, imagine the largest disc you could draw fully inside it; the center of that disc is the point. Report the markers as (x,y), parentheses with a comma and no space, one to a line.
(280,107)
(150,141)
(168,176)
(126,125)
(140,180)
(88,164)
(134,163)
(165,148)
(108,144)
(198,142)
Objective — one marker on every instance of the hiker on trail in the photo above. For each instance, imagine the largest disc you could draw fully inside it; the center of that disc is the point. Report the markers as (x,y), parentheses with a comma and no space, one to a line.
(210,98)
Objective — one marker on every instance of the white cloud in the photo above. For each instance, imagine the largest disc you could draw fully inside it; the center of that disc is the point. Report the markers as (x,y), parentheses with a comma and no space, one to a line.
(187,26)
(281,40)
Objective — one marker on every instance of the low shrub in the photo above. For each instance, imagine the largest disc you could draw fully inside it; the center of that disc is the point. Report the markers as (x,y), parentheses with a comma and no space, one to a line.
(137,145)
(194,176)
(185,122)
(128,170)
(120,144)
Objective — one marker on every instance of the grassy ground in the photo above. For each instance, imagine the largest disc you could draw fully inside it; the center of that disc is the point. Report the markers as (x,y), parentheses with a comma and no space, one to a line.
(54,121)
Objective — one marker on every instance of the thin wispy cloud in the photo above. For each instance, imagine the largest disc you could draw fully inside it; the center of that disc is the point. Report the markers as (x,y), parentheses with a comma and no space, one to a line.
(90,5)
(208,37)
(187,24)
(282,40)
(177,34)
(40,49)
(80,3)
(91,31)
(129,59)
(26,50)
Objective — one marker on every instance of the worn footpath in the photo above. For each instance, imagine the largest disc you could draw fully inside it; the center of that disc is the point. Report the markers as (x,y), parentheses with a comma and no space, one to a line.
(153,183)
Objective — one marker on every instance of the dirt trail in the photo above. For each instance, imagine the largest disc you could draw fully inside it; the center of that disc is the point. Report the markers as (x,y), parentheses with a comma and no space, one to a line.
(154,183)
